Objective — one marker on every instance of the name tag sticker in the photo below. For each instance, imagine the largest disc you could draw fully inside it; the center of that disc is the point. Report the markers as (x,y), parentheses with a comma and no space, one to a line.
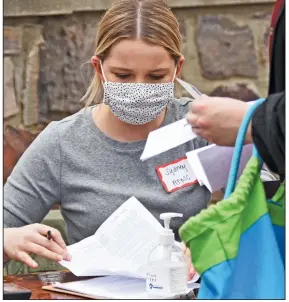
(176,175)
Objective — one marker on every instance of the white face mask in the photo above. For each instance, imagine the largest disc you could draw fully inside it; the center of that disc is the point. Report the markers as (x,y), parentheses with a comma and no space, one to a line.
(137,103)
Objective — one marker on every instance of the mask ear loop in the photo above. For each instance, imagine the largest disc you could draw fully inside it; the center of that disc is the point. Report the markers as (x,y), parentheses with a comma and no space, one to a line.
(105,80)
(175,75)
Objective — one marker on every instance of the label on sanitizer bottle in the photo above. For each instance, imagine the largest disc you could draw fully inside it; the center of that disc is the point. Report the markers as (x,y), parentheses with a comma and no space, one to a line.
(166,281)
(158,282)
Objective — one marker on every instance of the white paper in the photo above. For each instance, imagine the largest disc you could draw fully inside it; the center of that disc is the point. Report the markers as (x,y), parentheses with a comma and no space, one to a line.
(172,135)
(196,166)
(167,137)
(192,90)
(119,250)
(121,245)
(113,287)
(211,164)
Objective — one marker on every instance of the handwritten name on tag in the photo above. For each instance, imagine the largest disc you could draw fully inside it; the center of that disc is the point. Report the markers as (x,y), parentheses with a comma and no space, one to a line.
(176,175)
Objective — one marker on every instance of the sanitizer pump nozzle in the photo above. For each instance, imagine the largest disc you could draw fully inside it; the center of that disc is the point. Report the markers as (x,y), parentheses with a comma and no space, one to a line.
(166,217)
(167,238)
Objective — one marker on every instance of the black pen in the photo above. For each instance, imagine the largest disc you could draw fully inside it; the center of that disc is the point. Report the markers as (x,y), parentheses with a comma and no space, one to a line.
(49,236)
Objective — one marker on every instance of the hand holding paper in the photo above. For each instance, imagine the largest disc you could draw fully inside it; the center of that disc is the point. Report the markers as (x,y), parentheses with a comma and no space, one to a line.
(218,119)
(119,250)
(173,135)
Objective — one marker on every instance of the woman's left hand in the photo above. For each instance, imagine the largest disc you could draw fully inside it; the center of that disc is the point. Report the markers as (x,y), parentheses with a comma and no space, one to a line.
(218,119)
(191,269)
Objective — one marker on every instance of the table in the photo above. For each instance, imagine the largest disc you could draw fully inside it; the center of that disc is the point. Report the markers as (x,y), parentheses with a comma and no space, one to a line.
(34,284)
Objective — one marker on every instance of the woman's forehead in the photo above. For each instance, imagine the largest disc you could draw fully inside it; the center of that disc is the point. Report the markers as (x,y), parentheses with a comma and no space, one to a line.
(132,53)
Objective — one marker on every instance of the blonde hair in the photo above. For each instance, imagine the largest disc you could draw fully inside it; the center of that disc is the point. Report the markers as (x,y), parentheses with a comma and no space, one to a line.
(149,20)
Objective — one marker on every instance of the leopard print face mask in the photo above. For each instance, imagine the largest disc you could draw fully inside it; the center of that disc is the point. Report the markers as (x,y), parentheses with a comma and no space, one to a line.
(137,103)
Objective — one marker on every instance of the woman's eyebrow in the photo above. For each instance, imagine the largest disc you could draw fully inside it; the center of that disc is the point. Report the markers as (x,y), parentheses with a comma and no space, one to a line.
(160,70)
(121,69)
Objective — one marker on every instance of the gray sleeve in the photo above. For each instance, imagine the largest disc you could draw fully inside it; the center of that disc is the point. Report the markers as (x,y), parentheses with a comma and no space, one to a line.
(34,184)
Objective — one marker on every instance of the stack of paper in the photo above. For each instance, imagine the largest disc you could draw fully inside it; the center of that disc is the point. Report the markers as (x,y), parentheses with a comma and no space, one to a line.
(112,287)
(211,164)
(119,250)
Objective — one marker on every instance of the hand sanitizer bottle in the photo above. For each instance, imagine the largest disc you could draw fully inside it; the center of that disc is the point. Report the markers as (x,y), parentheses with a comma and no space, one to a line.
(167,270)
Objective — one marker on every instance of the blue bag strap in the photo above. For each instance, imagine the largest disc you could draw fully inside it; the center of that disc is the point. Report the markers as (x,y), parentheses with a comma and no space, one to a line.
(232,179)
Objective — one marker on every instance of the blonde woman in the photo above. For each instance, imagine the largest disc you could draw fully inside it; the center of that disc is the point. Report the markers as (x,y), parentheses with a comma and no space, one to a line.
(90,162)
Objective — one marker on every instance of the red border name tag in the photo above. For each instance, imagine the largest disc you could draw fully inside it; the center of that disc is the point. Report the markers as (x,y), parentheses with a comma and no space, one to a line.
(176,175)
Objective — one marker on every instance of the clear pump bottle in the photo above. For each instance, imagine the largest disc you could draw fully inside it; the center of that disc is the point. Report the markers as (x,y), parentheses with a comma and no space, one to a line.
(167,267)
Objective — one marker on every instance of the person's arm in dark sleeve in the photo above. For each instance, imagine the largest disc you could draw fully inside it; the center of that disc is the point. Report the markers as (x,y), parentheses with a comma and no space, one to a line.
(268,132)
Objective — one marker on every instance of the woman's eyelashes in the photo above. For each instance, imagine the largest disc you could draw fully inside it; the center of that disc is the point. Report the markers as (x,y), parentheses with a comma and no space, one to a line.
(122,76)
(151,76)
(156,77)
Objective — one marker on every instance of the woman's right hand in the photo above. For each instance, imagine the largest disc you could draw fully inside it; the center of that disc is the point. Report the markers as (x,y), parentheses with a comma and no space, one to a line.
(20,242)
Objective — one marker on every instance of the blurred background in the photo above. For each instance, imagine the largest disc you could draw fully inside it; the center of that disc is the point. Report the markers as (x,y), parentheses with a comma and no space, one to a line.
(225,44)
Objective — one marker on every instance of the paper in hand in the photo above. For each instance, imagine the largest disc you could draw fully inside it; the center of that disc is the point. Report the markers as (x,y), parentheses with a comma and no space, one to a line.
(192,90)
(172,135)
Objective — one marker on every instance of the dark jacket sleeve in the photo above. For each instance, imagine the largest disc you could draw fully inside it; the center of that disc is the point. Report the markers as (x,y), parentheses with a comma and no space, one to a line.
(268,123)
(268,131)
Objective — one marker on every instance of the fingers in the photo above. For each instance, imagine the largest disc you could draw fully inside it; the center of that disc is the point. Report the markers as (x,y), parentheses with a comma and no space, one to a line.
(20,242)
(56,236)
(52,246)
(42,251)
(197,120)
(186,251)
(199,129)
(199,115)
(26,259)
(199,132)
(192,119)
(188,256)
(198,106)
(191,273)
(192,270)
